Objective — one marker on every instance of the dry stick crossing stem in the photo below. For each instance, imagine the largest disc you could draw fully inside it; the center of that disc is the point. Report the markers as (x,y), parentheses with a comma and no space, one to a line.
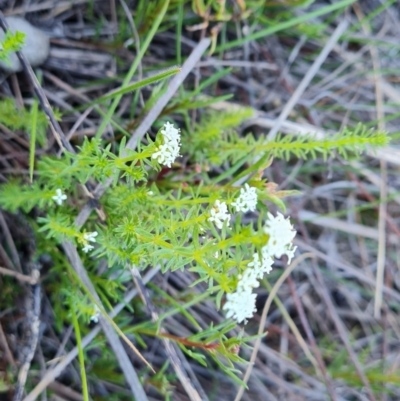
(115,343)
(380,114)
(380,269)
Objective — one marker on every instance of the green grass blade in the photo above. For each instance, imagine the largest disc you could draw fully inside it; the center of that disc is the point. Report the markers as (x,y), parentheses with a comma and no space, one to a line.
(285,25)
(197,104)
(209,81)
(230,171)
(179,33)
(140,84)
(263,163)
(133,68)
(32,139)
(81,357)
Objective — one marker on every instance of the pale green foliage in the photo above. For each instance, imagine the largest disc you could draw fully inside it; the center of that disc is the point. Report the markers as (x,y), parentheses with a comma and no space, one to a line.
(17,118)
(15,195)
(210,143)
(156,217)
(12,42)
(162,221)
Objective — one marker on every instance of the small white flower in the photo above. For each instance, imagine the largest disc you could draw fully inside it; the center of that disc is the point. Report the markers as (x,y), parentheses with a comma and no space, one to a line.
(248,280)
(59,198)
(281,235)
(247,200)
(219,214)
(128,42)
(87,247)
(169,150)
(170,132)
(263,265)
(89,237)
(290,250)
(240,305)
(95,317)
(150,193)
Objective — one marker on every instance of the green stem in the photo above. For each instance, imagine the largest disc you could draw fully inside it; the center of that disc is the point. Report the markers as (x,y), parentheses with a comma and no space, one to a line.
(80,355)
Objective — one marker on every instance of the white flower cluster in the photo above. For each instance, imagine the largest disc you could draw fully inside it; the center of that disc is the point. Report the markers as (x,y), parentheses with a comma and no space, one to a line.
(281,235)
(241,304)
(59,197)
(89,237)
(169,150)
(247,200)
(219,214)
(263,265)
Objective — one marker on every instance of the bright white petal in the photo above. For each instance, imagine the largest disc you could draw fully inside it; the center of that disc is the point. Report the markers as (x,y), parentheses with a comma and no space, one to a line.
(240,305)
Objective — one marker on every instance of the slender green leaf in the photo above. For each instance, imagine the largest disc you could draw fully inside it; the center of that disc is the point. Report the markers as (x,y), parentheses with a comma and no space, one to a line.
(81,357)
(140,84)
(287,24)
(32,139)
